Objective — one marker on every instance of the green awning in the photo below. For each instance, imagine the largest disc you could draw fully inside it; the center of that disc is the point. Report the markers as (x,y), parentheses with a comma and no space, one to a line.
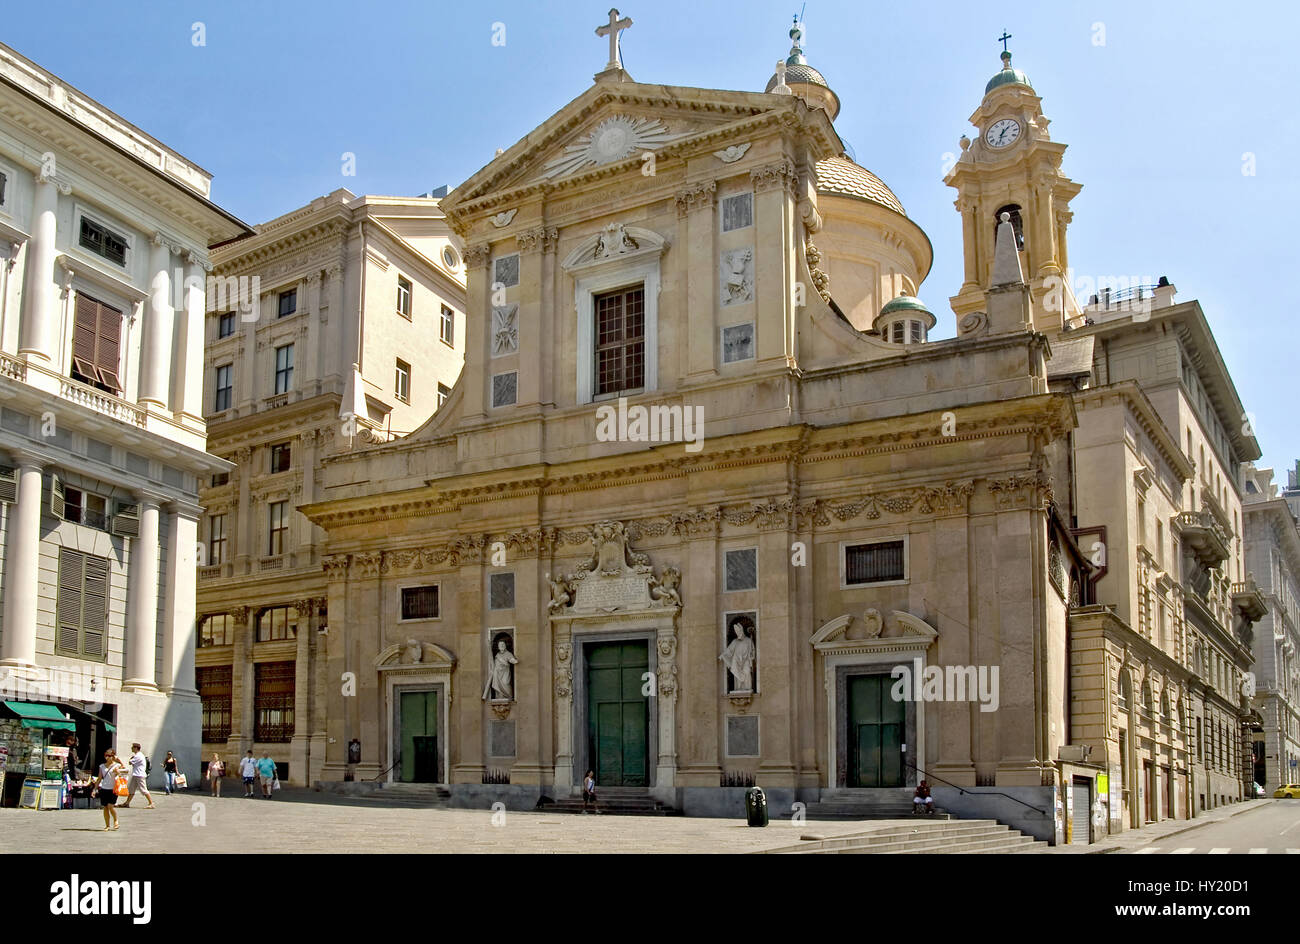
(27,709)
(110,728)
(49,723)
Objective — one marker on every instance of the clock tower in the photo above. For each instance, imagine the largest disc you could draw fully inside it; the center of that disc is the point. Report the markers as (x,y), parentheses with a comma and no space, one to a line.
(1013,166)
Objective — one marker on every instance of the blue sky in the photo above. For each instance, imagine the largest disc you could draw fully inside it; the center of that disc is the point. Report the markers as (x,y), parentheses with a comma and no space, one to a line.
(1158,117)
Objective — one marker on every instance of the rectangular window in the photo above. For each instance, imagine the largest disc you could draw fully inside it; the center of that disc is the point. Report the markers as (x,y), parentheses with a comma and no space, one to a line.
(4,188)
(737,212)
(505,389)
(277,623)
(279,512)
(402,382)
(896,332)
(226,325)
(80,507)
(620,340)
(501,592)
(216,631)
(443,393)
(273,700)
(447,327)
(216,539)
(875,563)
(738,343)
(288,303)
(215,683)
(284,368)
(102,241)
(224,387)
(505,271)
(741,570)
(404,298)
(96,344)
(420,602)
(82,606)
(914,329)
(281,455)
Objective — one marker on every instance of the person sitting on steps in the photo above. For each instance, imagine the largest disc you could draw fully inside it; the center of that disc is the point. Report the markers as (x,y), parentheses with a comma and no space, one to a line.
(922,800)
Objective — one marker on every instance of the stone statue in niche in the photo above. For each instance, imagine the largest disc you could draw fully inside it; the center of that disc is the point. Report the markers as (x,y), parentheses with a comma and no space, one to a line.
(665,590)
(737,276)
(561,593)
(500,682)
(740,653)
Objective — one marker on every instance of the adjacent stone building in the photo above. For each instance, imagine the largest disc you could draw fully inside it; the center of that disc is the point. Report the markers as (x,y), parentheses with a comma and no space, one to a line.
(343,323)
(104,236)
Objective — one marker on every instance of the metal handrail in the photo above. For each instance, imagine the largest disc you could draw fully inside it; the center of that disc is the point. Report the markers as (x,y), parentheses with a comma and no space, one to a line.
(965,792)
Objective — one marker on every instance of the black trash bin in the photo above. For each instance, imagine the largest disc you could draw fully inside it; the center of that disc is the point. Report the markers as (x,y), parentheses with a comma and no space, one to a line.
(755,807)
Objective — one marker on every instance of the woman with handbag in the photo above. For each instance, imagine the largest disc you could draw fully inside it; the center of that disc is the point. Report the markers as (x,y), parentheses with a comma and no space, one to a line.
(169,772)
(111,783)
(216,770)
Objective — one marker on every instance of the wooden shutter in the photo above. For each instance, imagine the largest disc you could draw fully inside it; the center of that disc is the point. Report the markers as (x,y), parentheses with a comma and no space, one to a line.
(94,615)
(8,484)
(108,356)
(85,336)
(71,571)
(126,522)
(58,507)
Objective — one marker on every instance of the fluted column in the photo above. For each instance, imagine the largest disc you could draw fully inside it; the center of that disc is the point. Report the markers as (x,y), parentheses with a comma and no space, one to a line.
(36,329)
(22,553)
(158,323)
(189,386)
(142,603)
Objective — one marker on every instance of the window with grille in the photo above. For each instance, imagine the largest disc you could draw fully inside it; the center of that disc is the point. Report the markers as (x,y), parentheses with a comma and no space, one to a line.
(216,539)
(276,623)
(404,297)
(273,702)
(215,683)
(620,340)
(284,368)
(875,563)
(224,388)
(288,303)
(420,602)
(96,344)
(102,241)
(741,569)
(447,327)
(226,325)
(82,604)
(281,454)
(402,382)
(279,520)
(216,631)
(501,592)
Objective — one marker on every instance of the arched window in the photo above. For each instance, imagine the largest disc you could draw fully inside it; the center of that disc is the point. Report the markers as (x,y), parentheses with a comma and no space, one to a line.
(1016,223)
(1125,690)
(1146,695)
(1164,707)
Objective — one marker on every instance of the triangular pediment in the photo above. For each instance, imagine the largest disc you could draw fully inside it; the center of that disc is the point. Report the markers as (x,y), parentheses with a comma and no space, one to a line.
(614,124)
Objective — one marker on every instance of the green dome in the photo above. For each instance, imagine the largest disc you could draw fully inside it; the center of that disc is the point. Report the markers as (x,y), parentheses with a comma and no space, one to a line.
(904,303)
(1008,76)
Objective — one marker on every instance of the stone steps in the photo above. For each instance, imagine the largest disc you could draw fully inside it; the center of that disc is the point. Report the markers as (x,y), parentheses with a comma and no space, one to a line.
(612,801)
(945,838)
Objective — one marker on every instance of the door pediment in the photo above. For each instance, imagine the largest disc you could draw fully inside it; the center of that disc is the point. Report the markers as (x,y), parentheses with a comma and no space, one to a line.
(900,632)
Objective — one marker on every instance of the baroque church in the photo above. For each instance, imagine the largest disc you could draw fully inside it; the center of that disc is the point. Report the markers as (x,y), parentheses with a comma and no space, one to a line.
(517,597)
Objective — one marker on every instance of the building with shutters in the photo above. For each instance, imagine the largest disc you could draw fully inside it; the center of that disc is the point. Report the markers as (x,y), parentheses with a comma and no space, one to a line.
(358,337)
(104,236)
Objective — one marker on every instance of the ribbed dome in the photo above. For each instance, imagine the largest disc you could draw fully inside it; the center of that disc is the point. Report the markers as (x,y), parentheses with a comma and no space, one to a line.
(840,176)
(1008,76)
(799,73)
(904,303)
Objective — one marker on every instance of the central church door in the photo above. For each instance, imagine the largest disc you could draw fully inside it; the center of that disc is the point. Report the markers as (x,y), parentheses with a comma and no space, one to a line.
(876,723)
(419,737)
(617,713)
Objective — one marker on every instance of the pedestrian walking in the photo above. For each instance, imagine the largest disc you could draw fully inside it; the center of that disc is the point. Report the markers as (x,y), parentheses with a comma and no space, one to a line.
(106,785)
(589,791)
(216,770)
(266,770)
(139,777)
(248,770)
(169,772)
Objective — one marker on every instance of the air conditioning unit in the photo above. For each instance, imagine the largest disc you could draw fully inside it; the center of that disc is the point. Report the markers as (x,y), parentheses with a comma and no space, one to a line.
(1076,753)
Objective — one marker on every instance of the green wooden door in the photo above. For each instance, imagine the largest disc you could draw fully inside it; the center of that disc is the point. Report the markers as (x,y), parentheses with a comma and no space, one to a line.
(617,713)
(876,724)
(419,737)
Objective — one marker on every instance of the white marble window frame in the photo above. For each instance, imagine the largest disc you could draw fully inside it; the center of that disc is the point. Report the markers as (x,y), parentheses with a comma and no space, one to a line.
(80,210)
(882,539)
(586,288)
(412,583)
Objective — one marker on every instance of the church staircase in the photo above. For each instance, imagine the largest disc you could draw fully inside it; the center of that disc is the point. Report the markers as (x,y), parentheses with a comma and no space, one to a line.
(931,836)
(880,803)
(612,801)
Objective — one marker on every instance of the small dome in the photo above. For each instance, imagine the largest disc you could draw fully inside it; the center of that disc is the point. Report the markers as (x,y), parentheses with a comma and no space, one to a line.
(842,177)
(798,73)
(1008,76)
(905,303)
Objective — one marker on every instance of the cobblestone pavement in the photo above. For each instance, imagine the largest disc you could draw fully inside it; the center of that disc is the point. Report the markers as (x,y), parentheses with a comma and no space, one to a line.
(305,821)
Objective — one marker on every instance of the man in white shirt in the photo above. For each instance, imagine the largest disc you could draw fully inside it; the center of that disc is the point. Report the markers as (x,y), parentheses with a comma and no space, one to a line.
(248,770)
(139,777)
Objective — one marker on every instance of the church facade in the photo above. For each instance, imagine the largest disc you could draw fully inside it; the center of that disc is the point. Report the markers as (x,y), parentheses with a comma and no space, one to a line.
(706,507)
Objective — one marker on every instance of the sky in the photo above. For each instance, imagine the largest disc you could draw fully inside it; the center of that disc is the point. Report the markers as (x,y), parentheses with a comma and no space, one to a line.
(1179,116)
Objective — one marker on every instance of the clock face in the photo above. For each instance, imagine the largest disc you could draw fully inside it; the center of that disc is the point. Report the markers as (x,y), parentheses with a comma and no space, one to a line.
(1001,133)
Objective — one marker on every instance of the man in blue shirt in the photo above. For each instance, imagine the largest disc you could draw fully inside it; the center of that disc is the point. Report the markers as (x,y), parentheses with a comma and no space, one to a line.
(266,770)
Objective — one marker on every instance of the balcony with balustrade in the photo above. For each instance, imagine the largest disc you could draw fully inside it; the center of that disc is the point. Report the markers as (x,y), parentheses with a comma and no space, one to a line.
(1203,537)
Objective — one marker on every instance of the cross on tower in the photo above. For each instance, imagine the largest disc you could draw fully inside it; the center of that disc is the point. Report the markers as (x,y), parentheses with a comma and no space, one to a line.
(612,29)
(1003,39)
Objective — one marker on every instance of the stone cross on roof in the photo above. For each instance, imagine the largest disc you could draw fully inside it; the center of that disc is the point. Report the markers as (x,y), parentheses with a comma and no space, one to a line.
(612,29)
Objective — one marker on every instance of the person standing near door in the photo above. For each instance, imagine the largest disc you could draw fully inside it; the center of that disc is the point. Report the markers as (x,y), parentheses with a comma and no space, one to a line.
(589,791)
